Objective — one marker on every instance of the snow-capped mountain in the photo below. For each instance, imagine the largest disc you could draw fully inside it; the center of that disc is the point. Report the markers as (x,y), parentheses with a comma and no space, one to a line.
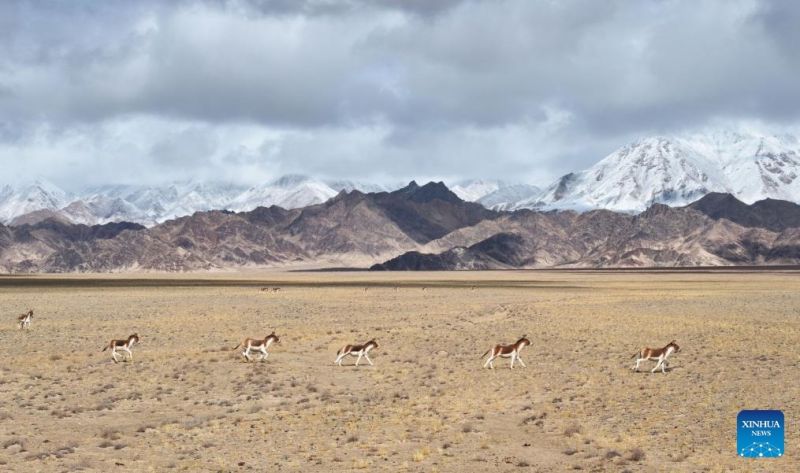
(348,186)
(677,170)
(152,204)
(26,197)
(494,194)
(472,190)
(505,198)
(292,191)
(674,170)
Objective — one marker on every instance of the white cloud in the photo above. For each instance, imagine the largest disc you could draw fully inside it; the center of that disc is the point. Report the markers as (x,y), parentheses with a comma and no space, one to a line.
(246,90)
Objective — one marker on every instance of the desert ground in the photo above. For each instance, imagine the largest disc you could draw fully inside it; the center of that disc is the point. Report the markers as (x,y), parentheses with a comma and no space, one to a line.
(188,402)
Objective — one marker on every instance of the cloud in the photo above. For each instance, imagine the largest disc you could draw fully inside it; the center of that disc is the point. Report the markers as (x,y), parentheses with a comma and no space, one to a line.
(356,88)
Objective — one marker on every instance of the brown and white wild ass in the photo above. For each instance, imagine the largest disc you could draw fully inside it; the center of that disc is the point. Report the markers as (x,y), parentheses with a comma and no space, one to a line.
(25,319)
(507,351)
(356,350)
(124,345)
(660,354)
(258,345)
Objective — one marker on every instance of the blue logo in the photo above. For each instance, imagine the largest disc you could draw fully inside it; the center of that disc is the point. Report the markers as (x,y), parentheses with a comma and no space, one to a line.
(759,434)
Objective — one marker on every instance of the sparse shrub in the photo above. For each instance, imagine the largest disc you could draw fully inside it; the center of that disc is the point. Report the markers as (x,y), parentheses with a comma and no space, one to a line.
(636,454)
(572,430)
(420,454)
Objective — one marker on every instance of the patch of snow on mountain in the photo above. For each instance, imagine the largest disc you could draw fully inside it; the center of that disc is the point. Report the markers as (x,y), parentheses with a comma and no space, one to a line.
(678,170)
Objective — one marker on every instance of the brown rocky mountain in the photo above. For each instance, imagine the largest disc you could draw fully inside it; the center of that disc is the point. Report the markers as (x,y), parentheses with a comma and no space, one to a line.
(659,236)
(772,214)
(352,229)
(417,227)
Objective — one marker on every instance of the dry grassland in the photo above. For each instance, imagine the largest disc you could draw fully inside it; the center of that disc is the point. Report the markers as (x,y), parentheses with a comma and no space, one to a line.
(189,403)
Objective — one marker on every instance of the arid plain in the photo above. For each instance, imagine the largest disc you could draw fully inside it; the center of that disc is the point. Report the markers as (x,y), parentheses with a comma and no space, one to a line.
(187,402)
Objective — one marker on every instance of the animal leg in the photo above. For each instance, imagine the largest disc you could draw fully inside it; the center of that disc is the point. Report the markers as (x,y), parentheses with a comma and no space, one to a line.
(367,357)
(264,354)
(660,361)
(638,361)
(339,359)
(489,359)
(513,358)
(130,353)
(114,355)
(246,354)
(519,358)
(359,357)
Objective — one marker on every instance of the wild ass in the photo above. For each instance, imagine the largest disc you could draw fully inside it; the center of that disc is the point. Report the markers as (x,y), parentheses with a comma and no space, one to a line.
(124,345)
(660,354)
(25,319)
(258,345)
(356,350)
(507,351)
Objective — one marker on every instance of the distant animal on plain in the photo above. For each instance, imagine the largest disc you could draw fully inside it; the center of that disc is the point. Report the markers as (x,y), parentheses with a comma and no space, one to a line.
(356,350)
(124,345)
(659,354)
(258,345)
(507,351)
(24,320)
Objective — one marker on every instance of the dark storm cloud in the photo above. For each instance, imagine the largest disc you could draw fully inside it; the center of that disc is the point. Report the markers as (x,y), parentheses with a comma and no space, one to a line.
(358,88)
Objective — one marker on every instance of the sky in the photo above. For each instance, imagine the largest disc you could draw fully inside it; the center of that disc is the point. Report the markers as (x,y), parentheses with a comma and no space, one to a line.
(113,91)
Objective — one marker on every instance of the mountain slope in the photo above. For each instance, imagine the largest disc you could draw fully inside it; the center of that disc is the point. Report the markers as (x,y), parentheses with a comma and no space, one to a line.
(772,214)
(677,170)
(22,198)
(150,205)
(351,229)
(416,227)
(660,236)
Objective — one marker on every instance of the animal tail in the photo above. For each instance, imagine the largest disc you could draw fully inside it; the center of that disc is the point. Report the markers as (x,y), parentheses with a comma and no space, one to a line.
(487,352)
(237,346)
(637,354)
(105,348)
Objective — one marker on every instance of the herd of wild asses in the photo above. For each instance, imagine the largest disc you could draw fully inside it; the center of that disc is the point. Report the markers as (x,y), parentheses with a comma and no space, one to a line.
(359,351)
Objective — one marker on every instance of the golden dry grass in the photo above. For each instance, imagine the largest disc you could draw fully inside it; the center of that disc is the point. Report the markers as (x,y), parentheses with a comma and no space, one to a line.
(188,403)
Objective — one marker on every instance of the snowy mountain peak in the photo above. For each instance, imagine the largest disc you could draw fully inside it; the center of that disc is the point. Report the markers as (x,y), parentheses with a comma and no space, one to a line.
(473,189)
(677,170)
(21,197)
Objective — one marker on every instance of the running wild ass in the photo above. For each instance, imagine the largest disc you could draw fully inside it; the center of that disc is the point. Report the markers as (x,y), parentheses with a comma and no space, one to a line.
(507,351)
(124,345)
(25,319)
(356,350)
(258,345)
(659,354)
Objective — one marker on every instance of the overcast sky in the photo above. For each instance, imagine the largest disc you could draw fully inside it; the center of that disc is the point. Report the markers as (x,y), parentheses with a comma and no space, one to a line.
(119,91)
